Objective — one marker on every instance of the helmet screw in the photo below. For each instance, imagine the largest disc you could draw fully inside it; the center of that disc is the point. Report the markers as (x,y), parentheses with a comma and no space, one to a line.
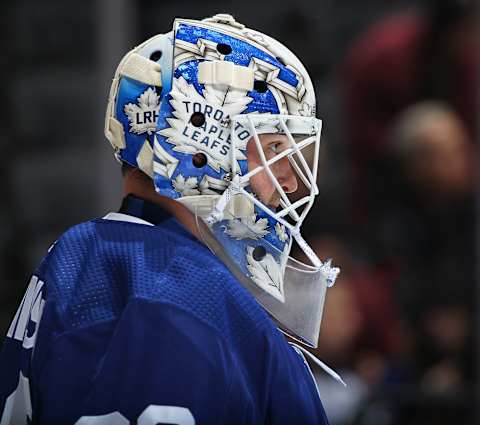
(199,160)
(224,49)
(260,86)
(156,55)
(259,253)
(197,119)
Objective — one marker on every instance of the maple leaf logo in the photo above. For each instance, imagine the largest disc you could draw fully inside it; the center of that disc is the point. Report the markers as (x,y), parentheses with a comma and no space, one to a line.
(212,138)
(143,117)
(267,274)
(281,232)
(247,228)
(190,186)
(186,186)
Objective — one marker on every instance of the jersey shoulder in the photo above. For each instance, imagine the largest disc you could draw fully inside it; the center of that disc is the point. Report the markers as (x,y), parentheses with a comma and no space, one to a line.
(96,268)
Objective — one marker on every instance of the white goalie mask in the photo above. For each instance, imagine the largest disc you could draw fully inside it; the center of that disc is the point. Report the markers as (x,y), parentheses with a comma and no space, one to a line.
(254,223)
(236,140)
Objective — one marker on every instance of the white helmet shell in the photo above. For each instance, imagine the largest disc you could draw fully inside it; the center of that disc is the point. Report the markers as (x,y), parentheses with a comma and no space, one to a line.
(183,108)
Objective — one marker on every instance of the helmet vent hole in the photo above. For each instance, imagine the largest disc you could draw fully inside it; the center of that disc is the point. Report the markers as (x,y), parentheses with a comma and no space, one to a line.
(281,61)
(199,160)
(259,253)
(260,86)
(224,49)
(156,55)
(197,119)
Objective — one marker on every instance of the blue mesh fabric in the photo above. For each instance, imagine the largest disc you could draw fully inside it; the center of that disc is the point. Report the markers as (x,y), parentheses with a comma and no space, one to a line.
(97,267)
(140,315)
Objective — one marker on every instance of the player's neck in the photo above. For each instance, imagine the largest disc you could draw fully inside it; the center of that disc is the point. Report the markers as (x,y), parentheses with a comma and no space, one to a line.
(140,185)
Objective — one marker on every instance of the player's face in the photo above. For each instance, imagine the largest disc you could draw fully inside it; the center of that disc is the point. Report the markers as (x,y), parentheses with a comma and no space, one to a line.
(261,184)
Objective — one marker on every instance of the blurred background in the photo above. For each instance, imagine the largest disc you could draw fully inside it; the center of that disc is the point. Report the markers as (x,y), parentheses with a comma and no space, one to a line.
(397,88)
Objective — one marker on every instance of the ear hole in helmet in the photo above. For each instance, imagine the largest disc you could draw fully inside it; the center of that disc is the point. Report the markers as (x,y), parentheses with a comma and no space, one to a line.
(260,86)
(156,55)
(259,253)
(224,49)
(199,160)
(197,119)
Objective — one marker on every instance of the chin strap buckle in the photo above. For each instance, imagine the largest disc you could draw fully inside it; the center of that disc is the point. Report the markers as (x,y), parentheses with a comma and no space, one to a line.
(330,272)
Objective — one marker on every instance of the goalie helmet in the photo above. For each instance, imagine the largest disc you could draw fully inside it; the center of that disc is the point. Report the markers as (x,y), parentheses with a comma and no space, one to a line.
(222,118)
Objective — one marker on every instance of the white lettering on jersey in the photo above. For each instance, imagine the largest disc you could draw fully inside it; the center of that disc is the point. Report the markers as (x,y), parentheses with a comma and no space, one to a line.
(18,405)
(31,308)
(152,415)
(110,419)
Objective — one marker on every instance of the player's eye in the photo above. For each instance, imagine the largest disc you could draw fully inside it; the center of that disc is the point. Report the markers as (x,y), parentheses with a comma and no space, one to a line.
(276,147)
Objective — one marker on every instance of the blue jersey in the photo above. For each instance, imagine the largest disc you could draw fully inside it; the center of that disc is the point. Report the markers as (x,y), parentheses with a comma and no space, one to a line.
(128,322)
